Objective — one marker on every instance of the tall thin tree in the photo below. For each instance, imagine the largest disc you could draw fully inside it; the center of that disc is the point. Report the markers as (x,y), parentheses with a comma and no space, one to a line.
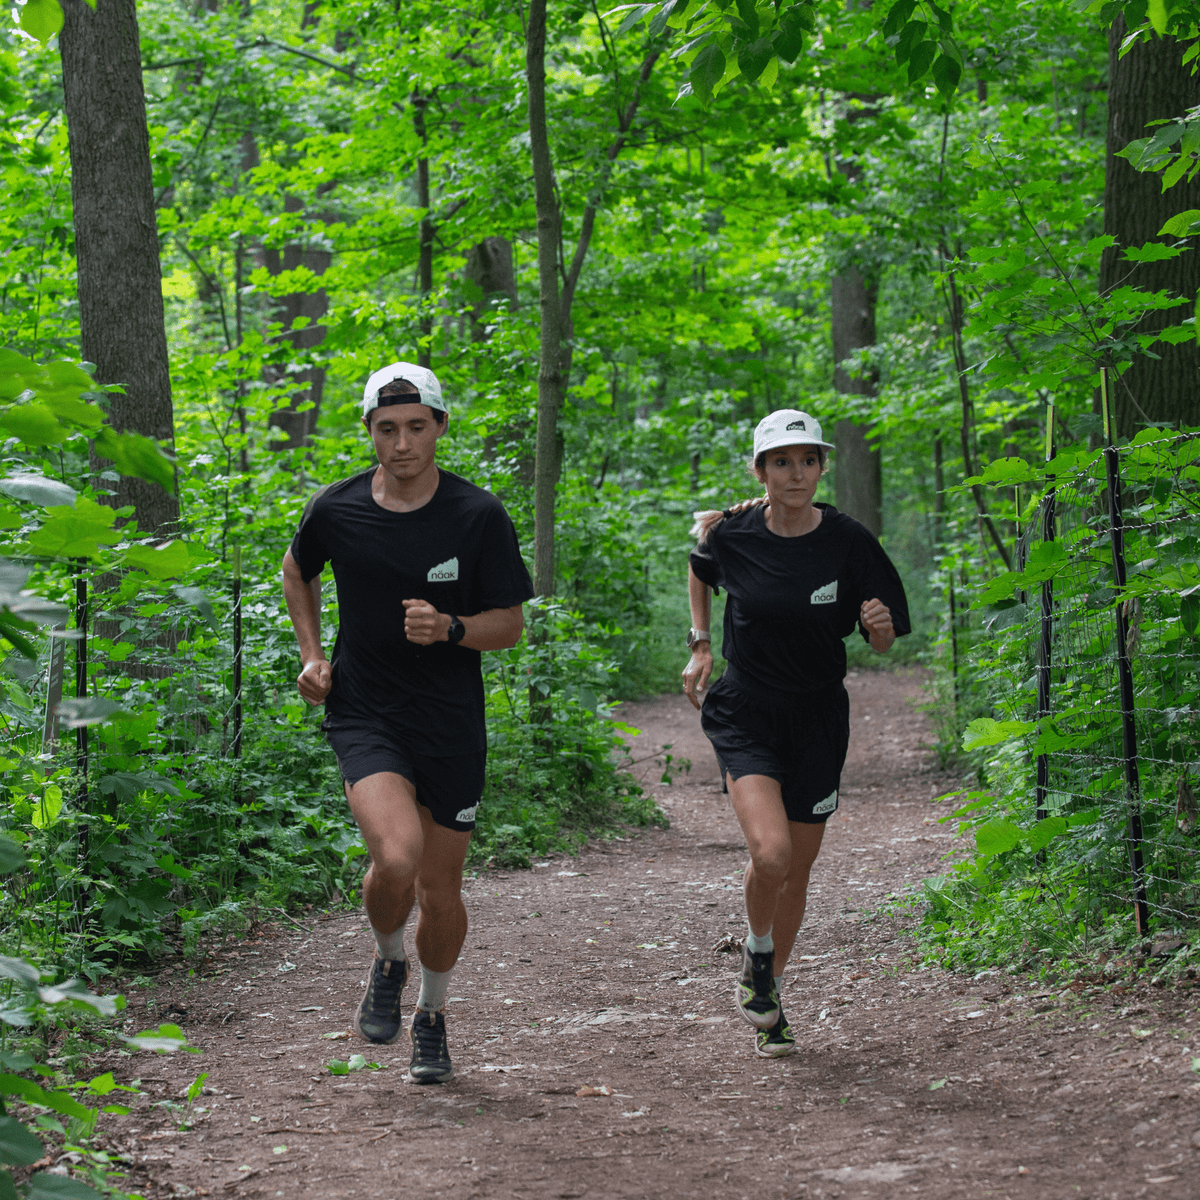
(122,327)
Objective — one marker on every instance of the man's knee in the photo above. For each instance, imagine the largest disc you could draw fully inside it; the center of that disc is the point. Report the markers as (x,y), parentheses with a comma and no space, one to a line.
(772,860)
(440,895)
(396,865)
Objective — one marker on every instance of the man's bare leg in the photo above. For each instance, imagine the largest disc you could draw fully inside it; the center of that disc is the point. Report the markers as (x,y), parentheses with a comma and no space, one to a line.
(385,807)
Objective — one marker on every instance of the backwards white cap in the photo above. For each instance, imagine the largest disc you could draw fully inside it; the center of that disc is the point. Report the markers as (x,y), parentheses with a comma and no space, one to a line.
(787,427)
(429,390)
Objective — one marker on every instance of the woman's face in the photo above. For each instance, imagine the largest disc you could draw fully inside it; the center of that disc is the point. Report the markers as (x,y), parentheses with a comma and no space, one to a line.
(791,474)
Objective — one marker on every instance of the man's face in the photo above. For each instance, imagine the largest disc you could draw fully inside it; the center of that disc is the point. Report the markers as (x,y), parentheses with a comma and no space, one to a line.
(405,437)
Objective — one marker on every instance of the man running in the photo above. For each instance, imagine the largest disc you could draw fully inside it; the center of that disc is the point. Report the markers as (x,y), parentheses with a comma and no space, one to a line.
(428,574)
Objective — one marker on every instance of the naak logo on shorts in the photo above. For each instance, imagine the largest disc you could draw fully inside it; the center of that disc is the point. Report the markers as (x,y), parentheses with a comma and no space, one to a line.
(798,425)
(828,805)
(824,595)
(468,814)
(445,572)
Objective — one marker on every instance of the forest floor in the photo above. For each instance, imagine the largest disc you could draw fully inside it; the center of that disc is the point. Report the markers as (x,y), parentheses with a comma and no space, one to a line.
(605,972)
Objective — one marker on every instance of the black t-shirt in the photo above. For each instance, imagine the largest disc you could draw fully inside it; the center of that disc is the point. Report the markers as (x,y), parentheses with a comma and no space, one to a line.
(792,601)
(459,552)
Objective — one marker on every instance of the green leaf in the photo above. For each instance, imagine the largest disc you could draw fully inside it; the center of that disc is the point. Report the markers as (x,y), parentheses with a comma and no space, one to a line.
(898,14)
(749,16)
(937,1085)
(788,35)
(75,532)
(1153,252)
(910,36)
(47,807)
(1045,831)
(639,12)
(12,857)
(33,423)
(983,731)
(38,489)
(59,1102)
(335,1066)
(160,562)
(8,1190)
(707,70)
(997,836)
(753,59)
(18,1146)
(1157,13)
(58,1187)
(947,71)
(166,1039)
(1045,560)
(1189,614)
(41,19)
(138,456)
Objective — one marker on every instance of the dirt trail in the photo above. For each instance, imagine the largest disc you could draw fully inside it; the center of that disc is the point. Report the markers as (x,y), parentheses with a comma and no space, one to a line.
(600,971)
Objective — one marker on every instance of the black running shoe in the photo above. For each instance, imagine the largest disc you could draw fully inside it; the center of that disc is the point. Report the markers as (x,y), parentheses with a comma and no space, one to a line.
(379,1019)
(757,996)
(431,1056)
(776,1042)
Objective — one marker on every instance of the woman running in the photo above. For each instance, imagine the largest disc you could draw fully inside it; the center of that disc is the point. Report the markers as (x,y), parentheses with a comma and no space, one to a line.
(798,577)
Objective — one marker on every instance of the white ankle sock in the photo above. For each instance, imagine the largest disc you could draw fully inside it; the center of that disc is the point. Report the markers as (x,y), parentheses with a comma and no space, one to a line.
(391,945)
(434,986)
(759,945)
(778,983)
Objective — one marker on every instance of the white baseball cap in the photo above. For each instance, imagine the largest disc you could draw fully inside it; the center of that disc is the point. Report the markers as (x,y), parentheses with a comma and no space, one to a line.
(787,427)
(429,390)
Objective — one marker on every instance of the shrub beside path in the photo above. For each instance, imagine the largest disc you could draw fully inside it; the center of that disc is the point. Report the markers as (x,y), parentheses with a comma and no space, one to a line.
(598,1052)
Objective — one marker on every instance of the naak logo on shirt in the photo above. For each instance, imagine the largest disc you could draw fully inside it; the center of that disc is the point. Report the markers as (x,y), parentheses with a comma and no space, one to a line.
(466,814)
(823,595)
(798,425)
(828,805)
(444,572)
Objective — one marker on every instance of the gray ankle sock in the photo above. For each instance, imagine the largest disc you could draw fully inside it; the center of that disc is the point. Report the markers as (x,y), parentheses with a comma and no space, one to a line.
(391,945)
(434,986)
(759,945)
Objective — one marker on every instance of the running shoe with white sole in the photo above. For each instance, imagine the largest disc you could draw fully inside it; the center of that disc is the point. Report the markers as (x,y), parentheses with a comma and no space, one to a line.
(757,996)
(776,1042)
(431,1055)
(379,1018)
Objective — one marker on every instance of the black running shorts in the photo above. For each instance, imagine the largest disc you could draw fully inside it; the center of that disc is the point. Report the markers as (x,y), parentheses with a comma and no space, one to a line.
(450,788)
(801,746)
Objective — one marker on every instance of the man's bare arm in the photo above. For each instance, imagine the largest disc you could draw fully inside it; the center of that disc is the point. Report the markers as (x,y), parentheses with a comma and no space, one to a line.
(304,608)
(493,629)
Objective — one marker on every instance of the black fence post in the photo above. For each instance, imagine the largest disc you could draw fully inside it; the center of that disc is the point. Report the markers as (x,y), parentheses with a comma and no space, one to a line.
(237,652)
(81,732)
(1044,642)
(1141,907)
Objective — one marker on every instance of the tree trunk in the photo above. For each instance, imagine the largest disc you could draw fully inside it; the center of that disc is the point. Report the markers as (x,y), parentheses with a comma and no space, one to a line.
(490,268)
(425,248)
(121,322)
(550,375)
(859,475)
(297,425)
(1150,83)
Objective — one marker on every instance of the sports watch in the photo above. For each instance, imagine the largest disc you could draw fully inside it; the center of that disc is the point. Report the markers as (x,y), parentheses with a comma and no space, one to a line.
(698,635)
(456,632)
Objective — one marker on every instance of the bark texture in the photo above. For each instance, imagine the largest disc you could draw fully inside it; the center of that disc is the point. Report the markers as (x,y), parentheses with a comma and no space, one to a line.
(1150,83)
(121,321)
(296,422)
(858,481)
(550,372)
(490,268)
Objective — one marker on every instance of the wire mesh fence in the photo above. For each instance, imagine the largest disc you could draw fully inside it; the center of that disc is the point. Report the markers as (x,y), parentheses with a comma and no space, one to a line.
(1096,663)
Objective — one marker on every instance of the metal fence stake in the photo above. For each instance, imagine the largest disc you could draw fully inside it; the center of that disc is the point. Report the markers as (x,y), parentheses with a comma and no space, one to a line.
(81,733)
(1044,642)
(237,652)
(1141,907)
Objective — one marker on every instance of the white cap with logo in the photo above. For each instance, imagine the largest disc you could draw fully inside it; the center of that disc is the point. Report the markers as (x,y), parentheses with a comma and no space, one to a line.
(429,390)
(787,427)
